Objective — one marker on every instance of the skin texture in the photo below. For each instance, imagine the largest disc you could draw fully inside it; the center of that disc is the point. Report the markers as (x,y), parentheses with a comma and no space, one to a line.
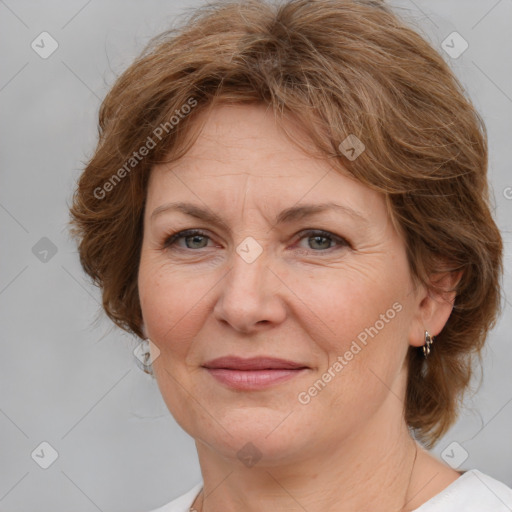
(304,299)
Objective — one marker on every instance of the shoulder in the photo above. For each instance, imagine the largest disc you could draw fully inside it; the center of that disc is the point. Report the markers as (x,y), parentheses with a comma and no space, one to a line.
(181,503)
(473,491)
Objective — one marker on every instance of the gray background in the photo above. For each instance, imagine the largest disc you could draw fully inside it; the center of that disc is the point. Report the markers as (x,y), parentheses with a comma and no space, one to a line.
(66,376)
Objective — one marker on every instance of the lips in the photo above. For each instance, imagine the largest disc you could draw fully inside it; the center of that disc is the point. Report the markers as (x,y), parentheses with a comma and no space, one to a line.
(254,373)
(254,363)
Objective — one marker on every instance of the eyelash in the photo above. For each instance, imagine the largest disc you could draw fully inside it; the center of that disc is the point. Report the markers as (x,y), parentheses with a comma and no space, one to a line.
(308,233)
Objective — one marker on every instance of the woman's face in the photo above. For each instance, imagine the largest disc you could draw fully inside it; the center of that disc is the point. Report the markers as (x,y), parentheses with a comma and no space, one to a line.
(329,291)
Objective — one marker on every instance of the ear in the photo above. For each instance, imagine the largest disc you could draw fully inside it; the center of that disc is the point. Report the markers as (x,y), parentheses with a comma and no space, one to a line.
(433,308)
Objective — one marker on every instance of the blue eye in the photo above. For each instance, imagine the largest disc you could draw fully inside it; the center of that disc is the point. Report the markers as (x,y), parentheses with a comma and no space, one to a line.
(197,236)
(320,237)
(197,239)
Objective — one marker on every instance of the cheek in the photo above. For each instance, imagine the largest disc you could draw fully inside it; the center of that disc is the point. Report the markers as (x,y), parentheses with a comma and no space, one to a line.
(170,308)
(175,305)
(167,301)
(364,317)
(337,306)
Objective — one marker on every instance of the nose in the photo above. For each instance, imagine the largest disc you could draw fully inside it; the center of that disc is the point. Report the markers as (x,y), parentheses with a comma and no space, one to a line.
(251,296)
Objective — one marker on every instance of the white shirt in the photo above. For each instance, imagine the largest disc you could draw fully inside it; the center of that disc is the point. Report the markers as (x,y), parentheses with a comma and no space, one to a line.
(473,491)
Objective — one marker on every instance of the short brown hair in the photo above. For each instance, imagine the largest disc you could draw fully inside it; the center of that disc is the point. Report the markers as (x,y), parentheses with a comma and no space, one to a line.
(340,67)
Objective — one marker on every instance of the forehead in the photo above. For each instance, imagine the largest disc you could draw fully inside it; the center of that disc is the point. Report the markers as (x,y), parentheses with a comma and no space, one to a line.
(243,152)
(233,134)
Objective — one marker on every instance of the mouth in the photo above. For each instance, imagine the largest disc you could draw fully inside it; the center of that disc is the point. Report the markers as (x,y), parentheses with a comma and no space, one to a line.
(253,373)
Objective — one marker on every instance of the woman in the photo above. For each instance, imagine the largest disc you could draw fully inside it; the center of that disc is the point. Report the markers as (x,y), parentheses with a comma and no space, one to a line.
(289,204)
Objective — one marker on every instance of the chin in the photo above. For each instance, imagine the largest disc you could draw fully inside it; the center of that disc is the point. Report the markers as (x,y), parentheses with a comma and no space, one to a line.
(255,433)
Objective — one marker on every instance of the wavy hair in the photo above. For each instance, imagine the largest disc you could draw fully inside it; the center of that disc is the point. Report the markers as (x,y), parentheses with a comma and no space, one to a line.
(343,67)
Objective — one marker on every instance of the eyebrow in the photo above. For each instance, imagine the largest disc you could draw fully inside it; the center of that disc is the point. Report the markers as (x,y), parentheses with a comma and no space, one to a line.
(288,215)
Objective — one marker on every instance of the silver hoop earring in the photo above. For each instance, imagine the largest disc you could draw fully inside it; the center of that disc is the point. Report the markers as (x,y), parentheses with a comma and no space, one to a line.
(428,342)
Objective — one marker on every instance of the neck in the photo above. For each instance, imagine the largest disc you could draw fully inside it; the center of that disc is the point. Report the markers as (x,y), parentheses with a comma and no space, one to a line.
(370,471)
